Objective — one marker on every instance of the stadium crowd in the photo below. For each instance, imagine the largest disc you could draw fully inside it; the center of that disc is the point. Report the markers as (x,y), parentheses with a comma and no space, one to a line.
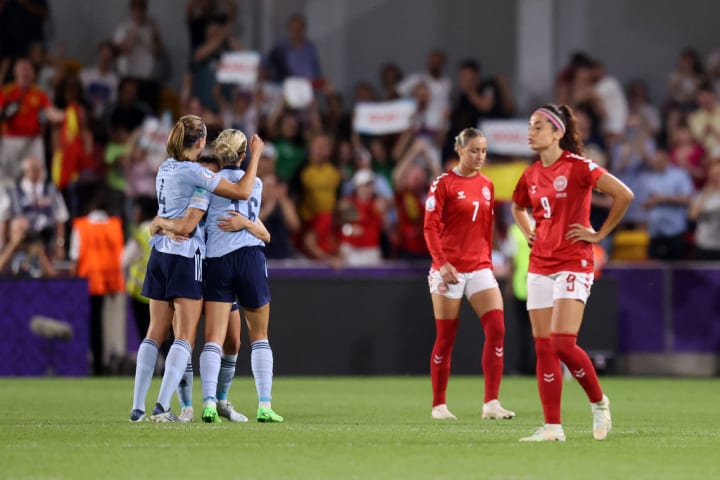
(73,132)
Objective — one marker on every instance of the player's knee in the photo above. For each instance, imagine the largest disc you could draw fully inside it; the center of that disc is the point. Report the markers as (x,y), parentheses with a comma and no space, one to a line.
(563,344)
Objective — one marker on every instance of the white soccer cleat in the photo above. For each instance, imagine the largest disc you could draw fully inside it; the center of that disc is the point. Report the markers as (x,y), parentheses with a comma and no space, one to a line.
(441,412)
(186,415)
(225,409)
(492,410)
(602,423)
(546,433)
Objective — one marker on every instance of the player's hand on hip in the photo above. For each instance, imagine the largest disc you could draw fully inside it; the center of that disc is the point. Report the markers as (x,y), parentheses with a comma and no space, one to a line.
(449,274)
(579,232)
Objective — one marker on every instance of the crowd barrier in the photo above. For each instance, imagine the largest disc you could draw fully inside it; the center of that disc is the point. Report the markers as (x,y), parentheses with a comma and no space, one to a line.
(649,318)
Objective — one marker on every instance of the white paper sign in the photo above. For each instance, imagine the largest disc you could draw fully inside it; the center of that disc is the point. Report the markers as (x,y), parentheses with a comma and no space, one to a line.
(379,118)
(506,137)
(239,67)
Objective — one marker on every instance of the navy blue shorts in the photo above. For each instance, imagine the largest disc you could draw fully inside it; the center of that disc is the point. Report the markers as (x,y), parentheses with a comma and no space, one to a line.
(241,273)
(173,276)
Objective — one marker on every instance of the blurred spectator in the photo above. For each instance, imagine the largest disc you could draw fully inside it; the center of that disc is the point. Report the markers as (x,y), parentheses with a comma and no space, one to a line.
(278,213)
(712,69)
(139,170)
(241,112)
(640,110)
(199,13)
(206,59)
(705,212)
(390,77)
(360,236)
(411,186)
(704,122)
(34,198)
(434,96)
(100,80)
(565,80)
(684,81)
(612,101)
(669,189)
(478,99)
(142,54)
(135,256)
(73,142)
(631,158)
(21,24)
(296,56)
(688,154)
(21,104)
(290,146)
(96,247)
(319,180)
(48,68)
(125,114)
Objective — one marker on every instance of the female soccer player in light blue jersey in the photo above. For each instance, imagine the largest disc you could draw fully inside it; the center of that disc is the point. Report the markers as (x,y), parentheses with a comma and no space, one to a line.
(236,268)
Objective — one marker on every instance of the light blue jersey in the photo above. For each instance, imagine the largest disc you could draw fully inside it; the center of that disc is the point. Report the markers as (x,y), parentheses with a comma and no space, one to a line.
(219,242)
(179,186)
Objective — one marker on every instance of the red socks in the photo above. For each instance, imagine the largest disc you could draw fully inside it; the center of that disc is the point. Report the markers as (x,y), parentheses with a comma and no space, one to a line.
(549,378)
(578,362)
(441,356)
(493,352)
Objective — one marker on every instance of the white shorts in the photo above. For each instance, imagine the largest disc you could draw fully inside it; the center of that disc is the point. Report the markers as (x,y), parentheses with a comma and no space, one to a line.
(469,284)
(543,290)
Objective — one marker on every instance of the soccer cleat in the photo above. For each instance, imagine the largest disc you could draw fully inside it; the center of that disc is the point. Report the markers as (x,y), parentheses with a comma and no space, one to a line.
(186,414)
(137,416)
(267,415)
(225,409)
(492,410)
(161,415)
(602,423)
(546,434)
(441,412)
(210,415)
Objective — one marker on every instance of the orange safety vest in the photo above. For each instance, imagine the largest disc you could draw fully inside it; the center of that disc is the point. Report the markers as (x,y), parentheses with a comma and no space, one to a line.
(101,246)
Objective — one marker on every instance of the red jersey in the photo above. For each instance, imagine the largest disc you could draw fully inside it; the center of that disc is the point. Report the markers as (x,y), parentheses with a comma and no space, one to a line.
(411,213)
(559,196)
(26,122)
(366,228)
(459,219)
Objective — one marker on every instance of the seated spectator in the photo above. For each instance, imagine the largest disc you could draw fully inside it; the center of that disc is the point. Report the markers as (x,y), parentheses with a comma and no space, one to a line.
(641,110)
(669,189)
(34,198)
(360,237)
(705,212)
(278,213)
(26,255)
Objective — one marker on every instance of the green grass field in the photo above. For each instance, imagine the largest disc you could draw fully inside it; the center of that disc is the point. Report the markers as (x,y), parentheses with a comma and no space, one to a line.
(374,428)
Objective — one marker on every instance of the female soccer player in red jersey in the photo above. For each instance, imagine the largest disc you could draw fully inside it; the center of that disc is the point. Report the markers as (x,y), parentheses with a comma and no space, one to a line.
(557,189)
(458,230)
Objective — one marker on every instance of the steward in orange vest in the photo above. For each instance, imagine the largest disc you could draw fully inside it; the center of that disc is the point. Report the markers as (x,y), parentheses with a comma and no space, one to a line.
(100,245)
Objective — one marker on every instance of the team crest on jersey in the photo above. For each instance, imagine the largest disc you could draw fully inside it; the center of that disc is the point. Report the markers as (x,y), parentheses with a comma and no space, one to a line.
(430,203)
(486,193)
(207,173)
(461,195)
(560,183)
(533,189)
